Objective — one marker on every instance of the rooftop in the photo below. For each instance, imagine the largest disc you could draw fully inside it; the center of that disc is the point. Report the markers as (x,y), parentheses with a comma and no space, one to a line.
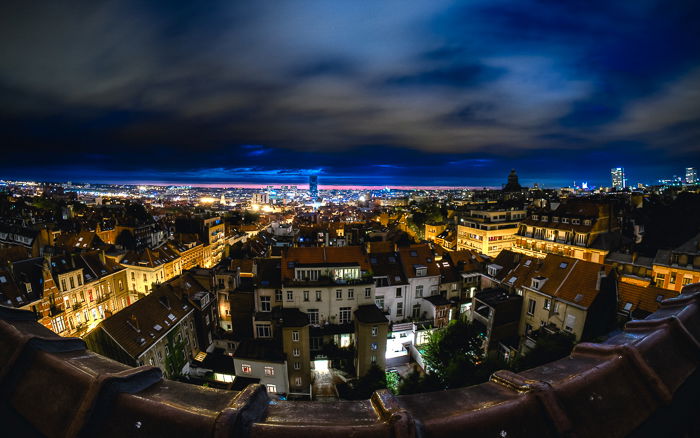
(647,375)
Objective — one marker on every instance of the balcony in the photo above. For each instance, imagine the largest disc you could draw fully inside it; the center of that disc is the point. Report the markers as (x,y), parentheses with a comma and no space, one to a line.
(77,305)
(648,375)
(104,297)
(55,311)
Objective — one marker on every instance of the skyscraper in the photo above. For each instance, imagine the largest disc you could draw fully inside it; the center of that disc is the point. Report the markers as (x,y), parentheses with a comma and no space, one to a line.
(618,178)
(691,175)
(313,186)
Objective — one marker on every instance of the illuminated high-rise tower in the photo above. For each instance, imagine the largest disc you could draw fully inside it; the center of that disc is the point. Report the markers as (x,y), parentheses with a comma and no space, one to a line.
(691,175)
(313,186)
(618,178)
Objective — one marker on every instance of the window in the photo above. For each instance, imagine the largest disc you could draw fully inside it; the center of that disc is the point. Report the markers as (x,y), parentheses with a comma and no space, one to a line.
(628,306)
(375,330)
(416,311)
(368,292)
(531,307)
(556,307)
(271,388)
(672,279)
(419,291)
(290,295)
(345,315)
(316,343)
(265,305)
(72,283)
(339,294)
(297,365)
(246,369)
(59,325)
(373,358)
(313,316)
(296,352)
(547,304)
(351,294)
(306,295)
(379,301)
(686,281)
(373,346)
(570,322)
(660,278)
(297,381)
(398,292)
(263,330)
(399,310)
(63,284)
(318,295)
(295,336)
(269,371)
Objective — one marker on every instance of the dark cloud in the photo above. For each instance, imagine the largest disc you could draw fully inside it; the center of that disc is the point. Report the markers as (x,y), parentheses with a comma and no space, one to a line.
(376,91)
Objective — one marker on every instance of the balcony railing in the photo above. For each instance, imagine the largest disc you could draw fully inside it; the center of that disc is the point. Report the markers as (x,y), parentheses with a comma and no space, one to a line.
(647,375)
(104,297)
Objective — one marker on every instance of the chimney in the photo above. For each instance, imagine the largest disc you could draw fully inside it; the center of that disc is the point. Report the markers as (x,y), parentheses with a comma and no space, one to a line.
(134,323)
(601,275)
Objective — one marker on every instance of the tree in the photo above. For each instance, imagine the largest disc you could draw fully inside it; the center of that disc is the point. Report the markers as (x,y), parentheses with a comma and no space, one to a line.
(454,353)
(416,382)
(548,348)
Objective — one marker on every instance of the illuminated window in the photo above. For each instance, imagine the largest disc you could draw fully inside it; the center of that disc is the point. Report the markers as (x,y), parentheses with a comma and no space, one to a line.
(269,371)
(246,369)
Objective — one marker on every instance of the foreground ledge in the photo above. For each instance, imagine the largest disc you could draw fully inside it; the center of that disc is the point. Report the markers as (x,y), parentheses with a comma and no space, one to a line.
(637,383)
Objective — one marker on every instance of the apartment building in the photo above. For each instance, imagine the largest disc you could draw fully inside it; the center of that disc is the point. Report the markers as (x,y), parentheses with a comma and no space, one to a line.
(581,229)
(69,293)
(149,267)
(565,294)
(678,267)
(157,330)
(488,231)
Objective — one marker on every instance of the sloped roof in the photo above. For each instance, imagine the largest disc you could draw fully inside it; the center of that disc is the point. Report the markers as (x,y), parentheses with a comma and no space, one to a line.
(572,280)
(147,314)
(150,257)
(418,255)
(644,298)
(388,264)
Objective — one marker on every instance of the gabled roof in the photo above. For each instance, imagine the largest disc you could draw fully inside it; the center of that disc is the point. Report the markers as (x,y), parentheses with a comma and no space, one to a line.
(572,280)
(137,327)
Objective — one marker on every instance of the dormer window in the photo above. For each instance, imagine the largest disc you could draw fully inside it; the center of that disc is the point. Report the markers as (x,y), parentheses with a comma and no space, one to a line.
(587,222)
(555,218)
(575,221)
(565,220)
(538,282)
(421,270)
(535,217)
(544,218)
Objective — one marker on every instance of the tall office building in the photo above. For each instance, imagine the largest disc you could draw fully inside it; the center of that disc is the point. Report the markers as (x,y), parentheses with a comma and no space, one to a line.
(618,178)
(691,175)
(313,186)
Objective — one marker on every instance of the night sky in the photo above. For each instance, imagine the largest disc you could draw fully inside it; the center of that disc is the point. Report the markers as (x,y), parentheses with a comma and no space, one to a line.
(358,92)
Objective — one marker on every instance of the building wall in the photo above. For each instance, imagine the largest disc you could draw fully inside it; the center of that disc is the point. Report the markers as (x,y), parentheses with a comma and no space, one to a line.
(388,293)
(174,349)
(673,277)
(278,379)
(303,359)
(540,314)
(370,345)
(328,307)
(489,242)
